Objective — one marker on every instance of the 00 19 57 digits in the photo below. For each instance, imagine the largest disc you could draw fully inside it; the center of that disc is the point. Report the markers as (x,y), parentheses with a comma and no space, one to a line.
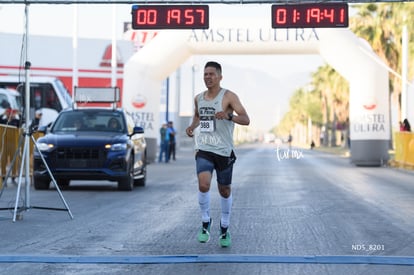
(170,17)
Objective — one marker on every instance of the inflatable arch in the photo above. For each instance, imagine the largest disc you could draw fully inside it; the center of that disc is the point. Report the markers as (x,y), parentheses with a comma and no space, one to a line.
(349,55)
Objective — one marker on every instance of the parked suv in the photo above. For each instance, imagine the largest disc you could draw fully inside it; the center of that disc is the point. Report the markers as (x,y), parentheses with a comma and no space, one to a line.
(91,144)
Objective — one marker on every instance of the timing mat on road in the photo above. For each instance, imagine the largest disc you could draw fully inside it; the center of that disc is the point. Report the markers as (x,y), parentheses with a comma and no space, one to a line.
(221,258)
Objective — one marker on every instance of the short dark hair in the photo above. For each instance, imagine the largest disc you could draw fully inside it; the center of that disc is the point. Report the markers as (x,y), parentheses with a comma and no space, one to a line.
(215,65)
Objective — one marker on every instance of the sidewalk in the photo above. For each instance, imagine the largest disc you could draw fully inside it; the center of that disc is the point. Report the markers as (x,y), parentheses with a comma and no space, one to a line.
(339,150)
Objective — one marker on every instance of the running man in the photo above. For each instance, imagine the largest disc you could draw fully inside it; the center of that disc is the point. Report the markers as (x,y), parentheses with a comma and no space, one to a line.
(216,111)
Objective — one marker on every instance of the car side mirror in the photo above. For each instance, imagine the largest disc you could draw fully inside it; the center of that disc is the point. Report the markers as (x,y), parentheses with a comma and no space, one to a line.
(138,130)
(42,129)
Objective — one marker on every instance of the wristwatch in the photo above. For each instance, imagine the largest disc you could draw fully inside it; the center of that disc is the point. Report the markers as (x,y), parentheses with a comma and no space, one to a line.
(230,116)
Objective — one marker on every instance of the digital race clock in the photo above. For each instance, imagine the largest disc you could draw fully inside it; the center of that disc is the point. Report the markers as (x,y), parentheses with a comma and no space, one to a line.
(316,15)
(170,17)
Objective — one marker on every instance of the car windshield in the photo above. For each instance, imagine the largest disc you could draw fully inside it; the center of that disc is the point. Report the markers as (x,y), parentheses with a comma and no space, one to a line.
(103,121)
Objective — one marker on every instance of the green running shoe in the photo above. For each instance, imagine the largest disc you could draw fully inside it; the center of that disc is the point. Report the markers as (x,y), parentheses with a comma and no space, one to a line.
(204,233)
(225,239)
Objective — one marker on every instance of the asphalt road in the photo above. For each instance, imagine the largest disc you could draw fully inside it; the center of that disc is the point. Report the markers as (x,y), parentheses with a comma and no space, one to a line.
(311,213)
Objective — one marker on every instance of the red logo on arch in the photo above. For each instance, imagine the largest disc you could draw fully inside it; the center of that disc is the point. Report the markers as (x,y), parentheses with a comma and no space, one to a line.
(139,101)
(370,107)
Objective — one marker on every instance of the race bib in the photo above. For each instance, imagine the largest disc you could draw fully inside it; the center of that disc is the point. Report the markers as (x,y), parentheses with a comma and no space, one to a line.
(207,124)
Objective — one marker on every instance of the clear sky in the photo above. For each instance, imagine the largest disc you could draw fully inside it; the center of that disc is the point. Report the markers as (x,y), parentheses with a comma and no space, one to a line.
(96,21)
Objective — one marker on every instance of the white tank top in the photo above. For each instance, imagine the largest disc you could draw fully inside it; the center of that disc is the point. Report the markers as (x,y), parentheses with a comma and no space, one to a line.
(214,136)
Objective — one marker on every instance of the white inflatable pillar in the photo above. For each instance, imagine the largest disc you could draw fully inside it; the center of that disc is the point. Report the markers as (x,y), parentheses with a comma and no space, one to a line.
(143,76)
(369,118)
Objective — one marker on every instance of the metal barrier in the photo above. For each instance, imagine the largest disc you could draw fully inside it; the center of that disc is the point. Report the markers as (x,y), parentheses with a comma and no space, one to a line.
(9,140)
(404,148)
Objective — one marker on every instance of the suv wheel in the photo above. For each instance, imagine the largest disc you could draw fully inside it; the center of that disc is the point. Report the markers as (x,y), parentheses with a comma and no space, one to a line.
(141,181)
(41,183)
(63,183)
(127,183)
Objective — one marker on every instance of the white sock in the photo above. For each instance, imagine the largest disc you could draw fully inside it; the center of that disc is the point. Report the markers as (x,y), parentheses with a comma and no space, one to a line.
(226,204)
(204,202)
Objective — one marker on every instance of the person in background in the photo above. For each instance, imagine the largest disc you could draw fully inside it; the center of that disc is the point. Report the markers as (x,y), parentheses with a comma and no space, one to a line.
(78,124)
(36,120)
(114,124)
(290,138)
(406,126)
(216,111)
(9,116)
(164,143)
(171,148)
(5,105)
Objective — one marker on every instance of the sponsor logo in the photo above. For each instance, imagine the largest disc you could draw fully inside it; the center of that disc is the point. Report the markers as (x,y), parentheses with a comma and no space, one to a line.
(139,101)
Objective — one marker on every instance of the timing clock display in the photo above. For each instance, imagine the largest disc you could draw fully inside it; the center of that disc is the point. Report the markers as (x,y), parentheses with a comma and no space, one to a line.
(170,17)
(316,15)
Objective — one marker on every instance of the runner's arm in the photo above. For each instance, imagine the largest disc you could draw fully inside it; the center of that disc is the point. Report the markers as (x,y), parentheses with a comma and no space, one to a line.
(196,120)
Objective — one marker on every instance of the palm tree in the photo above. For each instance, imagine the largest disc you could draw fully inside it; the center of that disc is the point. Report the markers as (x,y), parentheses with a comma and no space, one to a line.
(334,93)
(380,25)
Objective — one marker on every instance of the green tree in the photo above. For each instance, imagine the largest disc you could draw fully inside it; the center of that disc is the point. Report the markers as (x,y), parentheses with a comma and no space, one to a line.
(381,25)
(304,104)
(334,93)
